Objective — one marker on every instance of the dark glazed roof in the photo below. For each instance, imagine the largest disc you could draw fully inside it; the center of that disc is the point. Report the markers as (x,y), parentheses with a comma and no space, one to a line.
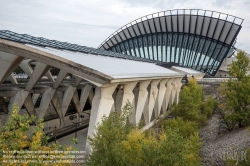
(210,24)
(40,41)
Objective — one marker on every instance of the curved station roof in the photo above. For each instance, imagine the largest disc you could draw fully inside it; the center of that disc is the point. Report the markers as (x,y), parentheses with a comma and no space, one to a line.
(194,38)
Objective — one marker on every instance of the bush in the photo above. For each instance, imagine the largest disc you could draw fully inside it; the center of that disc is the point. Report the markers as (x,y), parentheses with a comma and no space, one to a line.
(14,137)
(192,106)
(116,143)
(186,128)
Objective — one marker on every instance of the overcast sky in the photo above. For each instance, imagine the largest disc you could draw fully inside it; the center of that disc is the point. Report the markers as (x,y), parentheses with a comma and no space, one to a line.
(89,22)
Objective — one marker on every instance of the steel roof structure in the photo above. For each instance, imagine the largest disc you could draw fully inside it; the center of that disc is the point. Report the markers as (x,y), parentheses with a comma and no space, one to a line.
(40,41)
(194,38)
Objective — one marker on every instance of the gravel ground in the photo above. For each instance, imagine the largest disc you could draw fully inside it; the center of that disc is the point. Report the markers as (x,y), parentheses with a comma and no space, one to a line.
(218,144)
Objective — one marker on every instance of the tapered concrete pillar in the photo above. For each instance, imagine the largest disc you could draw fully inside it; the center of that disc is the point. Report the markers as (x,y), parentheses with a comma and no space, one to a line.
(179,85)
(38,72)
(132,117)
(167,96)
(124,95)
(12,79)
(84,95)
(8,63)
(128,94)
(67,96)
(35,97)
(3,105)
(57,105)
(101,105)
(175,84)
(142,97)
(25,66)
(118,99)
(62,74)
(17,100)
(28,104)
(45,101)
(160,98)
(153,93)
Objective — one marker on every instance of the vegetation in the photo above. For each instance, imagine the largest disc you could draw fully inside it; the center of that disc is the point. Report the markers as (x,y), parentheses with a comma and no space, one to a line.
(235,95)
(192,105)
(14,137)
(117,143)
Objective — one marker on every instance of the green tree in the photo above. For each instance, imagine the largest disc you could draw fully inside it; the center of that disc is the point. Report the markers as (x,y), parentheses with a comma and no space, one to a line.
(235,94)
(186,128)
(192,105)
(117,143)
(14,137)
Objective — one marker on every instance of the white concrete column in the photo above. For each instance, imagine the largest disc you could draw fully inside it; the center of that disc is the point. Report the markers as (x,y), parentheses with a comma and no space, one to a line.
(45,101)
(67,96)
(101,105)
(76,102)
(4,105)
(18,99)
(57,105)
(160,98)
(38,72)
(62,74)
(84,95)
(179,85)
(142,96)
(128,94)
(12,79)
(175,84)
(8,63)
(167,97)
(153,93)
(25,66)
(91,96)
(118,99)
(35,97)
(78,80)
(132,117)
(28,104)
(5,63)
(50,77)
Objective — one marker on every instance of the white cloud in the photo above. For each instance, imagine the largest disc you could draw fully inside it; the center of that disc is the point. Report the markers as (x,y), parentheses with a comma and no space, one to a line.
(90,22)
